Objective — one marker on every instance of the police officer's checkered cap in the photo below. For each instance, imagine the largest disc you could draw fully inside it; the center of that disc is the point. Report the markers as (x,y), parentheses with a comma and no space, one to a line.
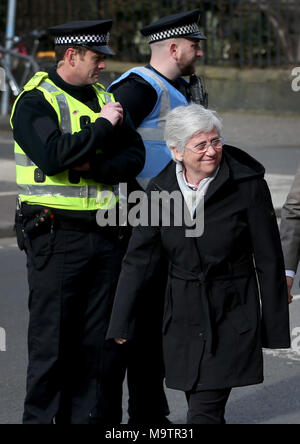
(82,39)
(183,24)
(180,31)
(93,34)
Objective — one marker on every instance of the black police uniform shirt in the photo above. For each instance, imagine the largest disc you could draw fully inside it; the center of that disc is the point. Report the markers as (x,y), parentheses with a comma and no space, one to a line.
(139,97)
(37,131)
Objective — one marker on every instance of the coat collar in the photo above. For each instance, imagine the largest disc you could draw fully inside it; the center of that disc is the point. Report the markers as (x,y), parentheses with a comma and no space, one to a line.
(221,178)
(167,179)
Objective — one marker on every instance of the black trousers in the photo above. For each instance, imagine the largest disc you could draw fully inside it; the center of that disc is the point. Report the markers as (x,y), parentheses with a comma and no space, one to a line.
(207,406)
(72,279)
(147,403)
(145,366)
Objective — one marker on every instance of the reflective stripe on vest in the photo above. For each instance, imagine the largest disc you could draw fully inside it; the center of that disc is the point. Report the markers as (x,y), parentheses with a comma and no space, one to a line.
(66,126)
(91,192)
(108,97)
(63,105)
(165,107)
(23,160)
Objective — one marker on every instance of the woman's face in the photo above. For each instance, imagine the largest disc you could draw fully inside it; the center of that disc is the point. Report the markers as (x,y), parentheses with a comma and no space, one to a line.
(200,164)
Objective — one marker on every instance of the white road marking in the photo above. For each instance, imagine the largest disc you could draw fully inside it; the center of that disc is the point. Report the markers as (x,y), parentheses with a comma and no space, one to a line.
(2,247)
(284,353)
(293,353)
(8,193)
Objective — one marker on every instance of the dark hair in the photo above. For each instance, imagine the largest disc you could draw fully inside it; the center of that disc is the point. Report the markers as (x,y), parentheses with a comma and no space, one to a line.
(61,49)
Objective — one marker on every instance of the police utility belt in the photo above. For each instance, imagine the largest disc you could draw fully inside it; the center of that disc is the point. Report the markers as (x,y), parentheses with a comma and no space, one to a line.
(32,220)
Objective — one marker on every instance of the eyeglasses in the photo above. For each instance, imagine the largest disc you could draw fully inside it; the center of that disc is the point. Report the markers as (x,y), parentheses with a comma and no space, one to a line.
(201,148)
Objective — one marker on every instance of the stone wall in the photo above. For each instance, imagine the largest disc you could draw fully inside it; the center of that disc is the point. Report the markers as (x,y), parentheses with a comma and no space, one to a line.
(254,90)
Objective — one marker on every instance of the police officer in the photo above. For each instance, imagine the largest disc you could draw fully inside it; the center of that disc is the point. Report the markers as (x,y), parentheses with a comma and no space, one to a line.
(73,145)
(149,93)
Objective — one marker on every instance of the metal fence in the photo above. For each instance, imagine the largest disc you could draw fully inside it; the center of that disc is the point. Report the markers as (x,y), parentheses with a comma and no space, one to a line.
(253,33)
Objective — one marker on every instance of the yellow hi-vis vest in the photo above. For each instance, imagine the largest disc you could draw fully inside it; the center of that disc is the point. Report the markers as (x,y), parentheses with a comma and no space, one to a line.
(57,191)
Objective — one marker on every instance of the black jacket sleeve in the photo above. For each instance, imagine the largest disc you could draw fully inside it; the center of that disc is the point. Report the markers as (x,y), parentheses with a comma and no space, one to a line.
(142,255)
(269,266)
(141,260)
(137,96)
(36,130)
(122,159)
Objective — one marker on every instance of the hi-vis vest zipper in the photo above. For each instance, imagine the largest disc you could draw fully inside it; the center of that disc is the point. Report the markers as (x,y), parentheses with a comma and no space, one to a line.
(57,191)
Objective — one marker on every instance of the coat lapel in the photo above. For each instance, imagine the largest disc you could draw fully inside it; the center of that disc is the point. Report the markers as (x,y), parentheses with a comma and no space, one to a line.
(221,178)
(167,180)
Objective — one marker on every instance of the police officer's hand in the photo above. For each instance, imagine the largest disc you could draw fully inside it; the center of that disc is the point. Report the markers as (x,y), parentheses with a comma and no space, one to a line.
(289,282)
(120,340)
(113,112)
(84,167)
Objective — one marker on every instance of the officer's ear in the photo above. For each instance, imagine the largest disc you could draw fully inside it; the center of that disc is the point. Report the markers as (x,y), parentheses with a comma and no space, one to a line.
(70,56)
(173,49)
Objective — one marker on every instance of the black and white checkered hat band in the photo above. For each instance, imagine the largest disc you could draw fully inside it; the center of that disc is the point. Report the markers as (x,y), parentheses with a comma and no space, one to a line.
(174,32)
(83,39)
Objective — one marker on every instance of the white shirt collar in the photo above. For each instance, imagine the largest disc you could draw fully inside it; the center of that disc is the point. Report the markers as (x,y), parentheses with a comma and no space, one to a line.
(192,194)
(203,184)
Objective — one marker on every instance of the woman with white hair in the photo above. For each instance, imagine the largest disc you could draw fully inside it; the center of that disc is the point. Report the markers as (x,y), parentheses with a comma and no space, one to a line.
(226,296)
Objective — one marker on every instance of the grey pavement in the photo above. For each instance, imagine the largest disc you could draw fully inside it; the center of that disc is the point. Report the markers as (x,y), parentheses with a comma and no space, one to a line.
(272,139)
(4,123)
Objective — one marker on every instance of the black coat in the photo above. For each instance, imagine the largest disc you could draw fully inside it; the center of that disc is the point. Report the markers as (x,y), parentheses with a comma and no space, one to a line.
(215,323)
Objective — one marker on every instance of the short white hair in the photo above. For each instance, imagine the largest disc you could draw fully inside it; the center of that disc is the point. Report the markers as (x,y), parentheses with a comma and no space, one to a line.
(184,122)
